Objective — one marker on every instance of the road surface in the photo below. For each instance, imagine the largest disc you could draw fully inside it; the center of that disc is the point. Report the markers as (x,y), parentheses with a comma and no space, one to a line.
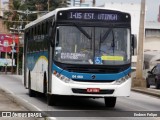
(137,102)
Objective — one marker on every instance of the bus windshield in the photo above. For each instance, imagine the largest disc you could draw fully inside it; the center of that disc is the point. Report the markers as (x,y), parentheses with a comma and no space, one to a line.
(92,45)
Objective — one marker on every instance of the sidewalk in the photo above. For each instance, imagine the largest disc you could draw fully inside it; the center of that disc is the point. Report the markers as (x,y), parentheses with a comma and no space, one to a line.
(7,104)
(149,91)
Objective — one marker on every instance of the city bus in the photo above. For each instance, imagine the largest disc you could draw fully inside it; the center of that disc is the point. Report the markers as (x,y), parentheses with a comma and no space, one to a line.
(79,52)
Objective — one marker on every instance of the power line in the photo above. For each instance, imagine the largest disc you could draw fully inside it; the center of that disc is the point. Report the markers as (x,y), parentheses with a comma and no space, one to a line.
(16,21)
(1,9)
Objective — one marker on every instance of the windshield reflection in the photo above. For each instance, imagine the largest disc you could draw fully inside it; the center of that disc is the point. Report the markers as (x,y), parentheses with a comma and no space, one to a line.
(92,45)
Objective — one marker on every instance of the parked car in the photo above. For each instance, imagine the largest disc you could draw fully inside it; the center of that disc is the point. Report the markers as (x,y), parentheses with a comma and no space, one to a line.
(153,77)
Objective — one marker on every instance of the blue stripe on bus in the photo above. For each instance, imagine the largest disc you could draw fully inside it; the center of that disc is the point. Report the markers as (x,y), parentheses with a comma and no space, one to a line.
(88,76)
(32,58)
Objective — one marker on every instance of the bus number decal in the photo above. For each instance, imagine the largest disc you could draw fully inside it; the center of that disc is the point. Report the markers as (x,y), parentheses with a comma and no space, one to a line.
(77,76)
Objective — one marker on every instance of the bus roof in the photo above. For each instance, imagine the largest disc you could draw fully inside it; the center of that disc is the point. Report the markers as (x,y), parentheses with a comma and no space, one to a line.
(58,9)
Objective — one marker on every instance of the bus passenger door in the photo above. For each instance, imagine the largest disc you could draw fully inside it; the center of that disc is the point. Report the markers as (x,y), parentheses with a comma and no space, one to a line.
(51,42)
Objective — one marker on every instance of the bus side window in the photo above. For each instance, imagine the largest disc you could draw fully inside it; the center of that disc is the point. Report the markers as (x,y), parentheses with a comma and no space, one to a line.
(35,45)
(26,41)
(45,45)
(49,24)
(38,37)
(35,31)
(31,34)
(47,29)
(44,35)
(29,42)
(31,46)
(39,30)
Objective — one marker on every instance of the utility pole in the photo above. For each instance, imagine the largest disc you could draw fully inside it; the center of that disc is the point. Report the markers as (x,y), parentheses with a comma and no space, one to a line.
(13,44)
(18,57)
(5,44)
(48,5)
(139,81)
(94,3)
(0,7)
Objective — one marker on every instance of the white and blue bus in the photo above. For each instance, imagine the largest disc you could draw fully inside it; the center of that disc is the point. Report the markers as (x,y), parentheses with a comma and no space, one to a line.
(83,52)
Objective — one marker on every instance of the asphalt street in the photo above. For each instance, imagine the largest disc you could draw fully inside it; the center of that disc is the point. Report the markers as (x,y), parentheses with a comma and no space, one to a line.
(137,102)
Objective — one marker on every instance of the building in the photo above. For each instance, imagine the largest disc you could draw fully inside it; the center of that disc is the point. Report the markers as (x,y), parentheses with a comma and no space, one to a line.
(152,36)
(151,58)
(3,7)
(159,15)
(80,3)
(151,44)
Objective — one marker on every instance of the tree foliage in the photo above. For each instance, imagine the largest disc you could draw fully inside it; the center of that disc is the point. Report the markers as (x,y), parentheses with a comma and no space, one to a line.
(31,5)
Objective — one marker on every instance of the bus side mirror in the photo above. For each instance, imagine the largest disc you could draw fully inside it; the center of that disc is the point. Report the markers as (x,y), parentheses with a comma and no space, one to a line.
(133,43)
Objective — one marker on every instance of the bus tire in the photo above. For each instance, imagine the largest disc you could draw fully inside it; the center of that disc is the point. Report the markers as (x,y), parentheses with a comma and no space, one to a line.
(30,91)
(52,100)
(157,84)
(147,84)
(110,102)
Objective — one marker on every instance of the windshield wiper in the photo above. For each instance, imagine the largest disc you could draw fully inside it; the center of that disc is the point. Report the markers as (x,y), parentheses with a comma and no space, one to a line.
(113,43)
(105,35)
(83,31)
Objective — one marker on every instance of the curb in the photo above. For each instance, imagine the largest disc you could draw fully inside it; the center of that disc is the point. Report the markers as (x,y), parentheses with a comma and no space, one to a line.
(145,91)
(23,103)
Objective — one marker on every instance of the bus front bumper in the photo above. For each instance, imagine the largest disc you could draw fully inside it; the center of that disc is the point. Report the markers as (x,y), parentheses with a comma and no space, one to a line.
(59,87)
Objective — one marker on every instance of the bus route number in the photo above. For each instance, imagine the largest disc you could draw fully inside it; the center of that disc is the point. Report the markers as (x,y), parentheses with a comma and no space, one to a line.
(77,76)
(84,16)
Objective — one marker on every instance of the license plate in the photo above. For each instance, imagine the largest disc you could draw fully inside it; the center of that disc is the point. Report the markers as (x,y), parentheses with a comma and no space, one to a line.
(93,90)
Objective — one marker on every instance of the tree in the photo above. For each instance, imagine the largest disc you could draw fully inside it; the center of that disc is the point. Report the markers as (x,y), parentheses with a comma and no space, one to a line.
(12,15)
(31,5)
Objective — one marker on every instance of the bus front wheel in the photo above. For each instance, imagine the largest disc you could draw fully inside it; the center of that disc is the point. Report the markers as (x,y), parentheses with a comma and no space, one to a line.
(52,99)
(110,102)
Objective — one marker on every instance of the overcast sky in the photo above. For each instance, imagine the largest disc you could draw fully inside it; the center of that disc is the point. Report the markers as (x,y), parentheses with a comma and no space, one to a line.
(152,7)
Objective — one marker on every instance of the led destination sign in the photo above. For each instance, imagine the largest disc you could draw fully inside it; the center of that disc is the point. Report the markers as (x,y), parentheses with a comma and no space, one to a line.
(94,15)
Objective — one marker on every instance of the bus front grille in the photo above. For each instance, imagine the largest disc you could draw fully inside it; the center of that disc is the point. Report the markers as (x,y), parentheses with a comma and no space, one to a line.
(91,70)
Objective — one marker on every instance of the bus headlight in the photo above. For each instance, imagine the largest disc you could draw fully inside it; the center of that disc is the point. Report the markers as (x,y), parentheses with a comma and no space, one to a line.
(62,77)
(122,80)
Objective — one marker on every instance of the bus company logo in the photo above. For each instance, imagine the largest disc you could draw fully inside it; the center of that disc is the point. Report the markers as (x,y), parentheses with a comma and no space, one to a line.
(6,114)
(93,77)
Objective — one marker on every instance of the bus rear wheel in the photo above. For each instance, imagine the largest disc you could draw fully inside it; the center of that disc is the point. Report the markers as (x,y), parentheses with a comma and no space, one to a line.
(110,102)
(52,99)
(31,92)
